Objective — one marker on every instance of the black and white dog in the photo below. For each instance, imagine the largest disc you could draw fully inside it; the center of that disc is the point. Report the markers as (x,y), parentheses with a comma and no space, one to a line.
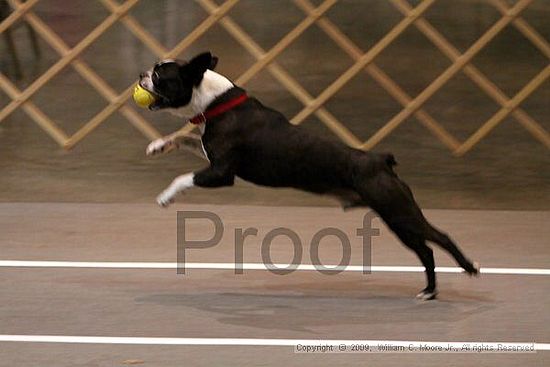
(242,137)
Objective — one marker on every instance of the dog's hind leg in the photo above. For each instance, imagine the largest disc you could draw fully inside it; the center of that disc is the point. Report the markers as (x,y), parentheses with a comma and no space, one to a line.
(441,239)
(434,235)
(416,243)
(403,217)
(392,199)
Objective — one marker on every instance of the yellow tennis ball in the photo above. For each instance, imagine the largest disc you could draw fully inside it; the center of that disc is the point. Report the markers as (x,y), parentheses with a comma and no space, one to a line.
(143,97)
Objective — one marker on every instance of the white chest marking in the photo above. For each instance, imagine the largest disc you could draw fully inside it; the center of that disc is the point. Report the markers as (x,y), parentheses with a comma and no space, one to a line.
(204,151)
(212,85)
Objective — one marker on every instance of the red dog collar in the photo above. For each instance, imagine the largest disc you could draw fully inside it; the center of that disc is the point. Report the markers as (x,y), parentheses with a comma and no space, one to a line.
(218,110)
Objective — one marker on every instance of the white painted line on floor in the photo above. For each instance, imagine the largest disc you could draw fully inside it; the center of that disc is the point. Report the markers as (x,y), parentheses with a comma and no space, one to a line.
(267,342)
(255,266)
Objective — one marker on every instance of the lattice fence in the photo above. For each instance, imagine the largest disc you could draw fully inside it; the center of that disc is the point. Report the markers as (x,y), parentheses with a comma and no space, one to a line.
(364,60)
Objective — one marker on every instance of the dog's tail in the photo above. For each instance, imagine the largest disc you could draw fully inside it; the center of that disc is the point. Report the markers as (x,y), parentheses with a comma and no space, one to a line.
(390,160)
(369,164)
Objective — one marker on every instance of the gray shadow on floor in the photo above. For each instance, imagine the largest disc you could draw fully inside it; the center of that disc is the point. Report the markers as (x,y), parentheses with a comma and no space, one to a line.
(301,311)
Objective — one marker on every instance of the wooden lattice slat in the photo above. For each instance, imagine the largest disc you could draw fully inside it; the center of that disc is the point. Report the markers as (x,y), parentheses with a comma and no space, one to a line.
(290,37)
(363,61)
(67,58)
(475,75)
(444,77)
(34,112)
(379,76)
(504,111)
(89,75)
(283,77)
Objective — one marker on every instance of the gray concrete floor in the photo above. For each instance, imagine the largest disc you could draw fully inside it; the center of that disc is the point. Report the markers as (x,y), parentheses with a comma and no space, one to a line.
(258,304)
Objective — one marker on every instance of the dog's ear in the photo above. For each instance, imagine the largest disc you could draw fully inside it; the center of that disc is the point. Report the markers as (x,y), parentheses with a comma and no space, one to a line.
(198,66)
(204,61)
(213,62)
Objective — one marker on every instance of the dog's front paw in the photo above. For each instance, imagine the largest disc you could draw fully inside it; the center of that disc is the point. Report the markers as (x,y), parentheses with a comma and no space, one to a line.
(159,146)
(166,198)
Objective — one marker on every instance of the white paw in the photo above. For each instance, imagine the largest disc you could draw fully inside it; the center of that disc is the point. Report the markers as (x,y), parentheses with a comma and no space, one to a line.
(166,198)
(426,295)
(158,146)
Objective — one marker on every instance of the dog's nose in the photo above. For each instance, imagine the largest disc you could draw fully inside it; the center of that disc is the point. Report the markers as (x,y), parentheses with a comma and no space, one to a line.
(142,75)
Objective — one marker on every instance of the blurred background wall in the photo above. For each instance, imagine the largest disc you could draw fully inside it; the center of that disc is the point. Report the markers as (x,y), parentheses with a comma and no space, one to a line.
(508,169)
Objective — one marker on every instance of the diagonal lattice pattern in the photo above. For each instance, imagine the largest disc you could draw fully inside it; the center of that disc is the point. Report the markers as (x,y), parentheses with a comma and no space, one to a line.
(363,61)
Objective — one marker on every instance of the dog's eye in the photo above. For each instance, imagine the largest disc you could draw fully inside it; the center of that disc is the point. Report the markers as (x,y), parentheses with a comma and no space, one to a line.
(157,80)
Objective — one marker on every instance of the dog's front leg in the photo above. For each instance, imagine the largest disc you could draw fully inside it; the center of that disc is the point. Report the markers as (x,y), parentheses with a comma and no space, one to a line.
(168,143)
(161,145)
(213,176)
(180,184)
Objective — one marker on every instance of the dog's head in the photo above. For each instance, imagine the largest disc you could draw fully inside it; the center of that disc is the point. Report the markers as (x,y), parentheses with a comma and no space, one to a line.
(172,82)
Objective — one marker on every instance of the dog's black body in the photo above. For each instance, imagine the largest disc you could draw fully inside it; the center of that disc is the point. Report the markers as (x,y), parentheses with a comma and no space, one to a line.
(267,150)
(259,145)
